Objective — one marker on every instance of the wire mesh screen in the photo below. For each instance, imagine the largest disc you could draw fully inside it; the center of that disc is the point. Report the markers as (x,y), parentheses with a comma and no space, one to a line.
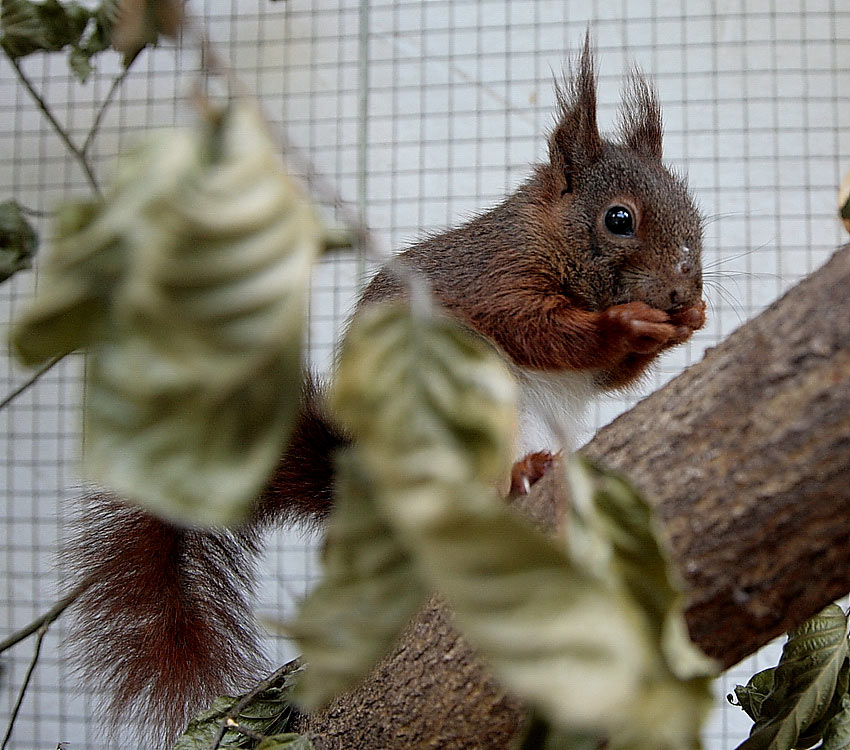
(421,113)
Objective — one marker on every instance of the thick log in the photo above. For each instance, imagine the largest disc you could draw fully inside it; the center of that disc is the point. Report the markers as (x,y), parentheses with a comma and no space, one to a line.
(746,457)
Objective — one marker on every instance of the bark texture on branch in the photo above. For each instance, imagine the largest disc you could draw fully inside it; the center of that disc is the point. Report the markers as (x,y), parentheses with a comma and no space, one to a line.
(746,457)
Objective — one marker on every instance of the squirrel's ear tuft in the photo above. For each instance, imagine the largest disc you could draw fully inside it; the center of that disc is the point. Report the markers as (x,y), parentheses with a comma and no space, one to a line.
(640,116)
(575,142)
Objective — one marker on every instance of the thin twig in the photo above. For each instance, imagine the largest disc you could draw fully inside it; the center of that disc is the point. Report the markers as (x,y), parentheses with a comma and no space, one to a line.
(240,705)
(318,185)
(233,724)
(42,631)
(21,388)
(76,152)
(47,618)
(113,89)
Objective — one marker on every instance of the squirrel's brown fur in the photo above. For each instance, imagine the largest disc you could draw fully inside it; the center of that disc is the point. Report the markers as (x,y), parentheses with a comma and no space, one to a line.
(166,625)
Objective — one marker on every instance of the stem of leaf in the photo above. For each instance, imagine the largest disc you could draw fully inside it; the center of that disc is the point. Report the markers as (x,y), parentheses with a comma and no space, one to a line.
(75,151)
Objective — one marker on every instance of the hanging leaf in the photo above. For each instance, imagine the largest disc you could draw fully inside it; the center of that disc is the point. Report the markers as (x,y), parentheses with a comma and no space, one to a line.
(47,26)
(368,593)
(433,411)
(188,286)
(18,240)
(804,682)
(407,380)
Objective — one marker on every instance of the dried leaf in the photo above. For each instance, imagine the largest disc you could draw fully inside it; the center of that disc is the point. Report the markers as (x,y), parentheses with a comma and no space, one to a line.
(18,240)
(369,591)
(751,696)
(188,286)
(140,22)
(804,682)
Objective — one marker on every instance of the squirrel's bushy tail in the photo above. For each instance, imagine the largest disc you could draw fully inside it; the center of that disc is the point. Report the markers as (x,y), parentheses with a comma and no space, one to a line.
(165,622)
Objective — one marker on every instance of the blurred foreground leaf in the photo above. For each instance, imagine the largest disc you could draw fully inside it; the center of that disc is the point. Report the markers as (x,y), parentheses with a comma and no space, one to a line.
(611,533)
(188,286)
(368,593)
(432,409)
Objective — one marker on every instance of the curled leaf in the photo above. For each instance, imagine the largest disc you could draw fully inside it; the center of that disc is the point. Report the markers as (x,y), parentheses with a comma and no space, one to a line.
(804,682)
(369,591)
(750,696)
(18,240)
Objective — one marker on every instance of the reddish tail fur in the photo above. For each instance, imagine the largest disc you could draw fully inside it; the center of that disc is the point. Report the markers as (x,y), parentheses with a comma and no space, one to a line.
(166,624)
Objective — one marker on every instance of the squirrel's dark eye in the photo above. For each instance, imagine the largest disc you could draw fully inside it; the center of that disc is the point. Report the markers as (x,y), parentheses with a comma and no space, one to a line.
(619,221)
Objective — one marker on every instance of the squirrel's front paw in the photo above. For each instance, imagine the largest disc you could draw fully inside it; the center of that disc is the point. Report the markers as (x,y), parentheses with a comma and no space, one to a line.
(643,329)
(693,317)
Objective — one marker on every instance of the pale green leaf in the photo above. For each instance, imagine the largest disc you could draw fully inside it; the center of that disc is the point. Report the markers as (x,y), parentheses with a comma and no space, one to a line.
(188,287)
(666,713)
(18,240)
(614,534)
(433,408)
(451,391)
(368,593)
(191,401)
(804,682)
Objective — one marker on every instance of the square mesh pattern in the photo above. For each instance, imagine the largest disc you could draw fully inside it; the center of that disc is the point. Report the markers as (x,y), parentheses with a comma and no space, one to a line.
(421,113)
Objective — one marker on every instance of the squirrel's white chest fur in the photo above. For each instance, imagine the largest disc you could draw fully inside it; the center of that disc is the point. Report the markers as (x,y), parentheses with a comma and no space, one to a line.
(552,408)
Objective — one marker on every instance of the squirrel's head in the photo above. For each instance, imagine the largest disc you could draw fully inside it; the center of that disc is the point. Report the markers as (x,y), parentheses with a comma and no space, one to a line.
(628,227)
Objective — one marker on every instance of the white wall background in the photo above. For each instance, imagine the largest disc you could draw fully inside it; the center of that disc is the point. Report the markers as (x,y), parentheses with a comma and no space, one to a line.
(422,112)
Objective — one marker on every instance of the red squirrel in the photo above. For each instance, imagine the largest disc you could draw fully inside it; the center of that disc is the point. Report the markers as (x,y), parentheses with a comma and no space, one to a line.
(580,278)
